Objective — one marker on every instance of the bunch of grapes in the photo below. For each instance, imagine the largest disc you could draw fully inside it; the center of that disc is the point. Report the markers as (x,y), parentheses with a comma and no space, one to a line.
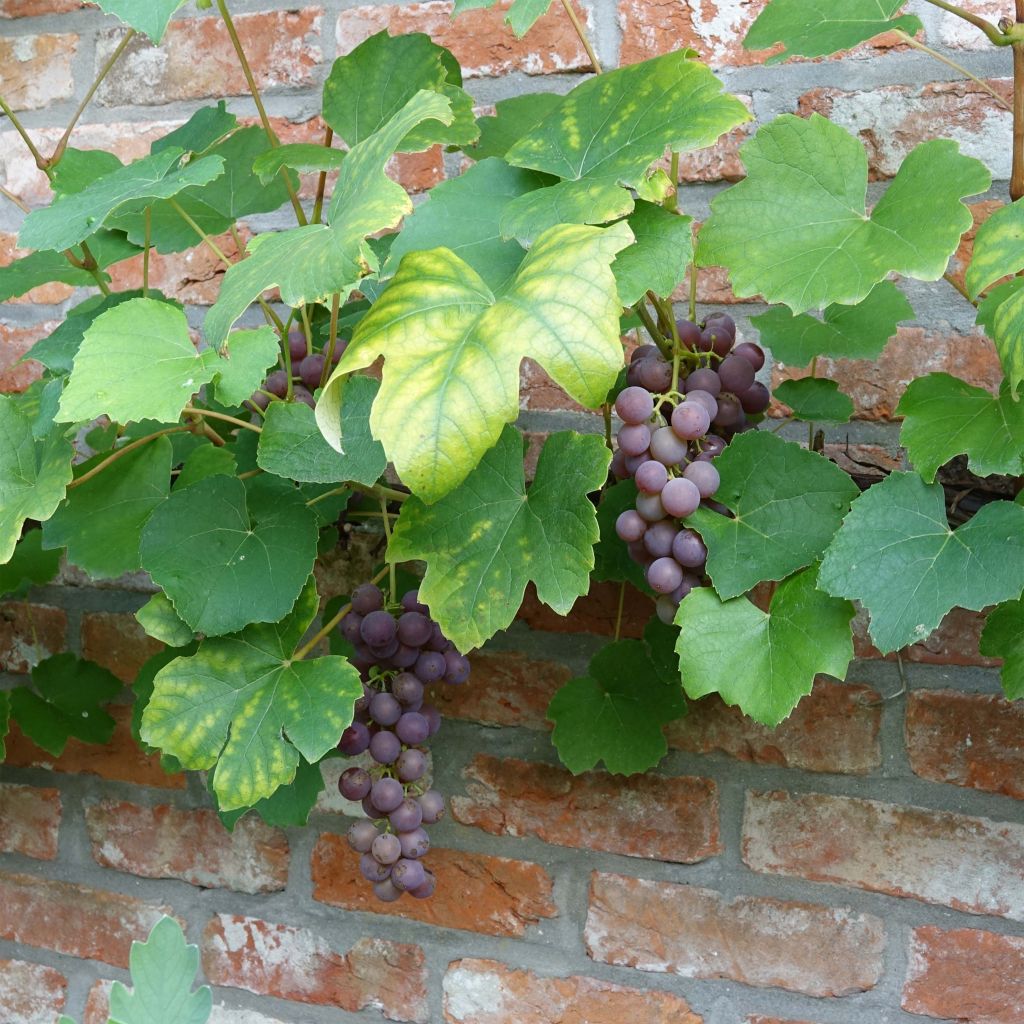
(306,373)
(669,441)
(397,656)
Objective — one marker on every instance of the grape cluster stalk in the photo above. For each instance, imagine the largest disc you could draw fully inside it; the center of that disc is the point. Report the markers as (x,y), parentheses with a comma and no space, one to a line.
(397,656)
(307,369)
(668,443)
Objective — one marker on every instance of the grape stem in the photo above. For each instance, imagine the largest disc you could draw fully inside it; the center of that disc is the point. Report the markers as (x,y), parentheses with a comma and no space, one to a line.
(618,614)
(14,199)
(960,288)
(100,466)
(332,342)
(693,292)
(41,162)
(917,45)
(325,630)
(375,490)
(656,336)
(321,185)
(193,411)
(996,37)
(672,199)
(582,33)
(392,583)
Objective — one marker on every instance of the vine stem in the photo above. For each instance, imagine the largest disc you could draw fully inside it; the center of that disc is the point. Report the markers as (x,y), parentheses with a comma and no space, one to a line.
(145,253)
(959,287)
(693,293)
(332,341)
(325,629)
(672,199)
(386,522)
(917,45)
(41,161)
(191,410)
(20,204)
(100,466)
(618,614)
(656,336)
(321,185)
(1017,171)
(375,490)
(995,36)
(89,263)
(582,33)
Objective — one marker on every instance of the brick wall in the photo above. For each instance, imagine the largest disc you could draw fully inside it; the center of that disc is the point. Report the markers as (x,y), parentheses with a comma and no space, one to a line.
(863,863)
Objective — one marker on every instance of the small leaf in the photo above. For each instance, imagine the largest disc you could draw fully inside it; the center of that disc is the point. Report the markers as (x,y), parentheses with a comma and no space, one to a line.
(304,157)
(1003,637)
(29,566)
(250,354)
(206,460)
(289,807)
(1001,313)
(160,621)
(815,400)
(997,249)
(150,17)
(203,130)
(611,558)
(658,259)
(489,537)
(513,118)
(763,662)
(787,504)
(39,268)
(897,555)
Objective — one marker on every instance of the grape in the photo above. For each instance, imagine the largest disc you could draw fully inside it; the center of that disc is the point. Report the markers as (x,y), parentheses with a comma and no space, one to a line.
(458,668)
(754,354)
(369,810)
(438,641)
(433,806)
(361,835)
(680,497)
(756,398)
(386,891)
(705,399)
(354,740)
(303,395)
(426,890)
(385,747)
(384,709)
(664,575)
(414,844)
(717,339)
(297,346)
(634,462)
(406,688)
(411,602)
(405,657)
(705,476)
(689,550)
(367,598)
(634,405)
(690,581)
(433,717)
(412,728)
(350,627)
(643,351)
(430,666)
(387,794)
(634,440)
(736,374)
(406,816)
(658,538)
(414,629)
(408,874)
(712,446)
(655,374)
(667,447)
(730,412)
(666,609)
(703,380)
(630,525)
(310,370)
(649,507)
(618,466)
(411,765)
(378,629)
(639,554)
(386,652)
(721,320)
(650,478)
(260,400)
(690,420)
(372,870)
(689,334)
(354,783)
(277,383)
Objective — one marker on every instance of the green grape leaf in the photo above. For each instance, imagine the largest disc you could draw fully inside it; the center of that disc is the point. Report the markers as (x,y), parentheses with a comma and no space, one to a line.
(288,807)
(567,202)
(101,521)
(1003,637)
(490,536)
(463,215)
(304,157)
(945,417)
(159,619)
(658,259)
(513,118)
(150,17)
(71,219)
(244,704)
(897,555)
(33,474)
(292,446)
(1001,313)
(815,400)
(206,460)
(520,16)
(615,712)
(64,701)
(250,354)
(226,555)
(763,662)
(860,331)
(368,86)
(453,349)
(311,262)
(163,971)
(203,130)
(997,249)
(29,566)
(142,690)
(38,268)
(661,642)
(79,168)
(787,504)
(817,28)
(609,130)
(364,458)
(796,229)
(611,559)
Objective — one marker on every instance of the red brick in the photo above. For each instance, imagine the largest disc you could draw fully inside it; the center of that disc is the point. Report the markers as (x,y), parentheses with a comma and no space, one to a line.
(833,729)
(475,892)
(283,49)
(980,212)
(164,842)
(958,34)
(480,40)
(970,864)
(863,459)
(418,172)
(45,294)
(30,993)
(488,992)
(120,760)
(965,974)
(295,963)
(653,816)
(967,739)
(29,633)
(37,8)
(35,71)
(539,392)
(699,933)
(116,641)
(596,612)
(721,161)
(29,820)
(14,343)
(954,642)
(74,919)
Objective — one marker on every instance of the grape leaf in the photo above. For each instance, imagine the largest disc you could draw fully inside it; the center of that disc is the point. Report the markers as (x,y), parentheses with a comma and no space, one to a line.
(159,619)
(203,130)
(763,662)
(817,28)
(64,701)
(150,17)
(243,704)
(227,556)
(997,249)
(33,474)
(305,157)
(846,332)
(292,446)
(896,554)
(288,807)
(163,971)
(566,202)
(453,349)
(102,519)
(513,118)
(658,259)
(815,400)
(38,268)
(945,417)
(1001,313)
(609,130)
(72,218)
(79,168)
(661,643)
(489,537)
(206,460)
(788,503)
(615,712)
(29,566)
(611,559)
(1003,637)
(796,230)
(250,354)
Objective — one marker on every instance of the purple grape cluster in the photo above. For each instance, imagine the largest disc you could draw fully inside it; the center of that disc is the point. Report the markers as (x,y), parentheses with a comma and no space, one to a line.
(397,656)
(668,443)
(306,373)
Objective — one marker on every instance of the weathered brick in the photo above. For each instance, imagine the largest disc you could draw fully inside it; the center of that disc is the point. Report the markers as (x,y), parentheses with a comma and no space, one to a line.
(958,34)
(35,71)
(283,49)
(757,1018)
(74,919)
(120,760)
(721,161)
(654,816)
(45,294)
(29,633)
(480,40)
(833,729)
(37,8)
(966,975)
(14,343)
(488,992)
(30,993)
(961,260)
(967,739)
(475,892)
(954,642)
(595,612)
(116,641)
(29,820)
(97,1010)
(165,842)
(970,864)
(295,963)
(699,933)
(537,391)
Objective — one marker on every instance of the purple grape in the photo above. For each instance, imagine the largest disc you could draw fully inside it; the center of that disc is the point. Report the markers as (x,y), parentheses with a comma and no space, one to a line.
(618,466)
(664,575)
(371,869)
(689,334)
(408,874)
(690,582)
(722,320)
(406,816)
(754,354)
(259,400)
(430,666)
(639,554)
(630,525)
(386,891)
(705,399)
(634,440)
(385,747)
(433,717)
(643,352)
(705,476)
(414,629)
(411,603)
(354,740)
(634,462)
(361,836)
(406,688)
(458,668)
(387,794)
(426,890)
(411,765)
(659,537)
(386,651)
(303,395)
(369,810)
(655,374)
(649,507)
(433,806)
(666,609)
(405,657)
(730,412)
(367,598)
(438,641)
(690,420)
(651,477)
(712,446)
(354,783)
(310,370)
(414,844)
(704,380)
(412,728)
(717,338)
(297,346)
(667,447)
(384,709)
(680,497)
(378,628)
(756,398)
(350,627)
(736,374)
(688,549)
(634,405)
(277,383)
